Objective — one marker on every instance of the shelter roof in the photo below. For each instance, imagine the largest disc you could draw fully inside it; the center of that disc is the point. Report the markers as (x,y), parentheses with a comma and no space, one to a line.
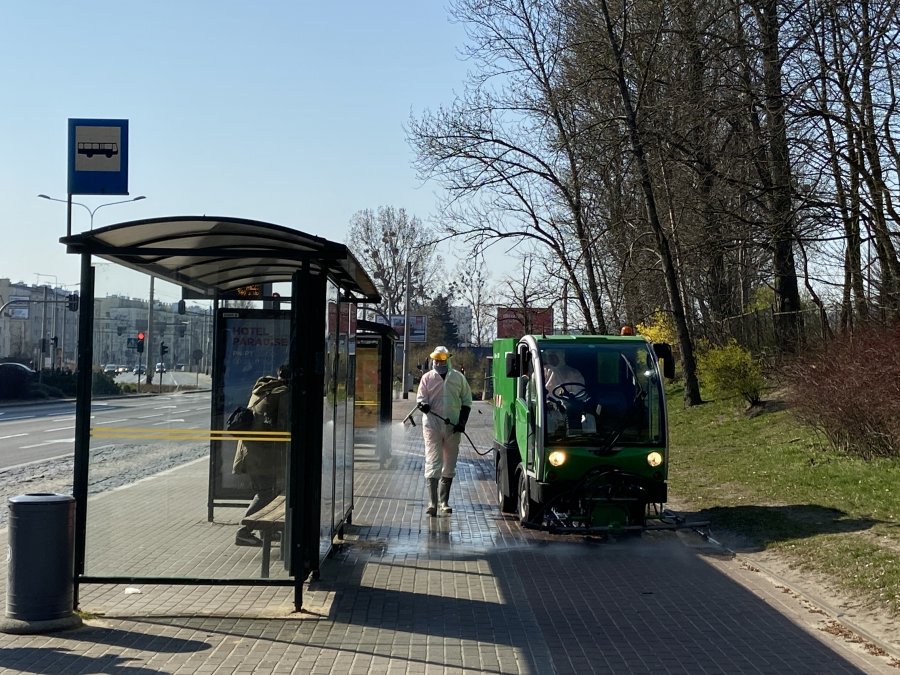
(211,254)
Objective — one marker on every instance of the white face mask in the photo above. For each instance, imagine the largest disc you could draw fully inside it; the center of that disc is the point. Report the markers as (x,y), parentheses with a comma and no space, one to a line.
(441,367)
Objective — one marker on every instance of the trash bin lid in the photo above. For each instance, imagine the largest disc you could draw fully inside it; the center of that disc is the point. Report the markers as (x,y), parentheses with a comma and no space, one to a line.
(40,498)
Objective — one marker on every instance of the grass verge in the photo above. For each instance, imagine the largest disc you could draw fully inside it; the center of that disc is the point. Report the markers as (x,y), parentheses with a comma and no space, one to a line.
(778,486)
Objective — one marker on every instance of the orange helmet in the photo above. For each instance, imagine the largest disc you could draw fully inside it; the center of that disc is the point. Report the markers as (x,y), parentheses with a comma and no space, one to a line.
(627,330)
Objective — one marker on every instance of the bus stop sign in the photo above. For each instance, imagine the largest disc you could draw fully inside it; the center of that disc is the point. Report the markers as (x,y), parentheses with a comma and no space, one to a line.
(98,157)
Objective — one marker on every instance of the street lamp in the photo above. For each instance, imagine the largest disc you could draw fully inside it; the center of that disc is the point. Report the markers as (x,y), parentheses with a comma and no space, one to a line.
(90,210)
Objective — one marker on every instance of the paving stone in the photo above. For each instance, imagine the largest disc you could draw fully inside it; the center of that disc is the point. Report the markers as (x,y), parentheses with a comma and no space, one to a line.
(405,593)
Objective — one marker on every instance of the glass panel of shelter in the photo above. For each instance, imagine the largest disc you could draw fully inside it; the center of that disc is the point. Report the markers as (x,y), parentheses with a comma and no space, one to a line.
(156,463)
(329,419)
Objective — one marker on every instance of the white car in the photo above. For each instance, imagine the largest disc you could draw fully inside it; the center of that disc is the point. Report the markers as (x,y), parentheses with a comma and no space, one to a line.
(160,367)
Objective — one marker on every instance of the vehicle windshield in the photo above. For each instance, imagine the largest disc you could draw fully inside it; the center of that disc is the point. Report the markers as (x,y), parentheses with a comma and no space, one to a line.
(602,395)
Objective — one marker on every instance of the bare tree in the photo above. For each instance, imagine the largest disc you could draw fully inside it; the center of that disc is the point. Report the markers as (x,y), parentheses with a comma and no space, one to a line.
(384,241)
(526,291)
(507,150)
(470,285)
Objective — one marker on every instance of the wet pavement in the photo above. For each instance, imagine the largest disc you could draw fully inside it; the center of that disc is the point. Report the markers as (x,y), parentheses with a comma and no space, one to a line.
(472,592)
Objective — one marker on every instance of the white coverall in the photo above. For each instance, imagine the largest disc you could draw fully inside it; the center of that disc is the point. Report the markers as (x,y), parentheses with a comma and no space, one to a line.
(446,397)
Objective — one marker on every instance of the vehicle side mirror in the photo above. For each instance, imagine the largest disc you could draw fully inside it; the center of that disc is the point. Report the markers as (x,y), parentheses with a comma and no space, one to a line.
(663,352)
(512,365)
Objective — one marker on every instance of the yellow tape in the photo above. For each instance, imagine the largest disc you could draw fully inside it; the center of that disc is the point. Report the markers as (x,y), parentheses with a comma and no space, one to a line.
(189,434)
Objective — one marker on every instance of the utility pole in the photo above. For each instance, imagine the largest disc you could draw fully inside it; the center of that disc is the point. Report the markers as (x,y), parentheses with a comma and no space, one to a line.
(406,332)
(43,336)
(149,342)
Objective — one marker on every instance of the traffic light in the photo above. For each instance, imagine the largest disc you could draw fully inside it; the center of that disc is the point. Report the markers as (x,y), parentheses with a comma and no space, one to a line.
(55,342)
(73,302)
(140,343)
(182,307)
(163,350)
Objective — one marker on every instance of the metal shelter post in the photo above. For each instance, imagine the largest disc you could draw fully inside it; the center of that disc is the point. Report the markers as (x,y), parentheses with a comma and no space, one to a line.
(83,382)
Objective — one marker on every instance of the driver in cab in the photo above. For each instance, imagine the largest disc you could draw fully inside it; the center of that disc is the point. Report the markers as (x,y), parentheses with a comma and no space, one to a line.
(557,372)
(566,395)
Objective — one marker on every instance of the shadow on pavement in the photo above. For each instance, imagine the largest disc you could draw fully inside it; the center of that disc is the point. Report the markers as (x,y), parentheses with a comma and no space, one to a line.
(763,526)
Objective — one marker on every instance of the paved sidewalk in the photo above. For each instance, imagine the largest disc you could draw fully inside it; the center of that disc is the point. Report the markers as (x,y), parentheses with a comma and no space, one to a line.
(405,593)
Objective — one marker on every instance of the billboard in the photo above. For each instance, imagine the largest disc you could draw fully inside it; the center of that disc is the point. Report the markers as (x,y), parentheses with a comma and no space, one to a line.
(418,326)
(515,322)
(18,311)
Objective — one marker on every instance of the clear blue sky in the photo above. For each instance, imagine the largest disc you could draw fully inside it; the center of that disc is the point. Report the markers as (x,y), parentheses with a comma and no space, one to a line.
(289,112)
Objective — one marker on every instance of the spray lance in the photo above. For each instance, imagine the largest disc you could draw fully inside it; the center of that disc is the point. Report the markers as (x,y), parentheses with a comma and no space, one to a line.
(409,421)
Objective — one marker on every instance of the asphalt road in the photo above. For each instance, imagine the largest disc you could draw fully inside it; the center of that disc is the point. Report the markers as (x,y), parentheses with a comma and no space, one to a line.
(37,442)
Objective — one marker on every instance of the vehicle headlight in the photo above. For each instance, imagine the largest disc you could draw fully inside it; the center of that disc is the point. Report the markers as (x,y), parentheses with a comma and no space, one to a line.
(654,459)
(557,458)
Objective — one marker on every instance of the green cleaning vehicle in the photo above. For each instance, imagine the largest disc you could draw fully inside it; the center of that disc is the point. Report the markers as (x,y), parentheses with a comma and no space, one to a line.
(580,439)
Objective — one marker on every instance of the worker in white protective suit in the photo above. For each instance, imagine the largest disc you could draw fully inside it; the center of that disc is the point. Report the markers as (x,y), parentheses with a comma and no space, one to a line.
(445,399)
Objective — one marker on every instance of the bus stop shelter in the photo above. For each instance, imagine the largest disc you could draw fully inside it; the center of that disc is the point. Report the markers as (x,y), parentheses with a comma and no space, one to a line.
(210,258)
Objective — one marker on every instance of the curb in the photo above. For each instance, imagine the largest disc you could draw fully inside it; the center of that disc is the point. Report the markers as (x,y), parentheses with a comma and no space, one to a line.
(831,612)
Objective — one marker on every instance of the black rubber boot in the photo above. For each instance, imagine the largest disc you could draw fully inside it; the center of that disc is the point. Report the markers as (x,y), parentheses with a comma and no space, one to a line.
(444,497)
(432,486)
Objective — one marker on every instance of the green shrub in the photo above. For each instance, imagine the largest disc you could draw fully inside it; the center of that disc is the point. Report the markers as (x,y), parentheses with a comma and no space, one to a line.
(104,385)
(659,328)
(731,370)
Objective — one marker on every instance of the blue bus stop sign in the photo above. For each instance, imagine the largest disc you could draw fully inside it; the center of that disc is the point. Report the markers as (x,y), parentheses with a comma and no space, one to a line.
(98,157)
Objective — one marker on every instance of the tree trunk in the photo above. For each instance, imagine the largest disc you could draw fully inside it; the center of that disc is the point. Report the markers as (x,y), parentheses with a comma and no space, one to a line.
(689,365)
(787,295)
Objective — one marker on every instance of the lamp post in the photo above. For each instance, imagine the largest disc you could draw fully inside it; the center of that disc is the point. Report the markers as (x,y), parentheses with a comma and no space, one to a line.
(90,210)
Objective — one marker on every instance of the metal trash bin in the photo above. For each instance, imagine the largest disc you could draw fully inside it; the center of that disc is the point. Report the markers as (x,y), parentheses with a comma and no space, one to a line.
(40,577)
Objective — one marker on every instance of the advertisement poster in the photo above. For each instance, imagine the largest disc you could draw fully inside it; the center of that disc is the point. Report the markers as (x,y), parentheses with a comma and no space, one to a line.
(418,327)
(252,343)
(367,383)
(18,311)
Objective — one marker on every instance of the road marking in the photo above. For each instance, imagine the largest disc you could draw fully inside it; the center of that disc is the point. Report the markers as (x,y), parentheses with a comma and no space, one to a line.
(124,419)
(3,438)
(190,434)
(21,418)
(48,431)
(147,417)
(39,461)
(38,445)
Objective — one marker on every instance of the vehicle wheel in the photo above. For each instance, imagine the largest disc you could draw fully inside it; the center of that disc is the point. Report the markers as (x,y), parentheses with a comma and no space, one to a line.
(506,504)
(529,511)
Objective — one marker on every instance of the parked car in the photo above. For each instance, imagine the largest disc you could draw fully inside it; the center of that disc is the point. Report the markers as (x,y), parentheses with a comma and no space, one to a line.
(15,380)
